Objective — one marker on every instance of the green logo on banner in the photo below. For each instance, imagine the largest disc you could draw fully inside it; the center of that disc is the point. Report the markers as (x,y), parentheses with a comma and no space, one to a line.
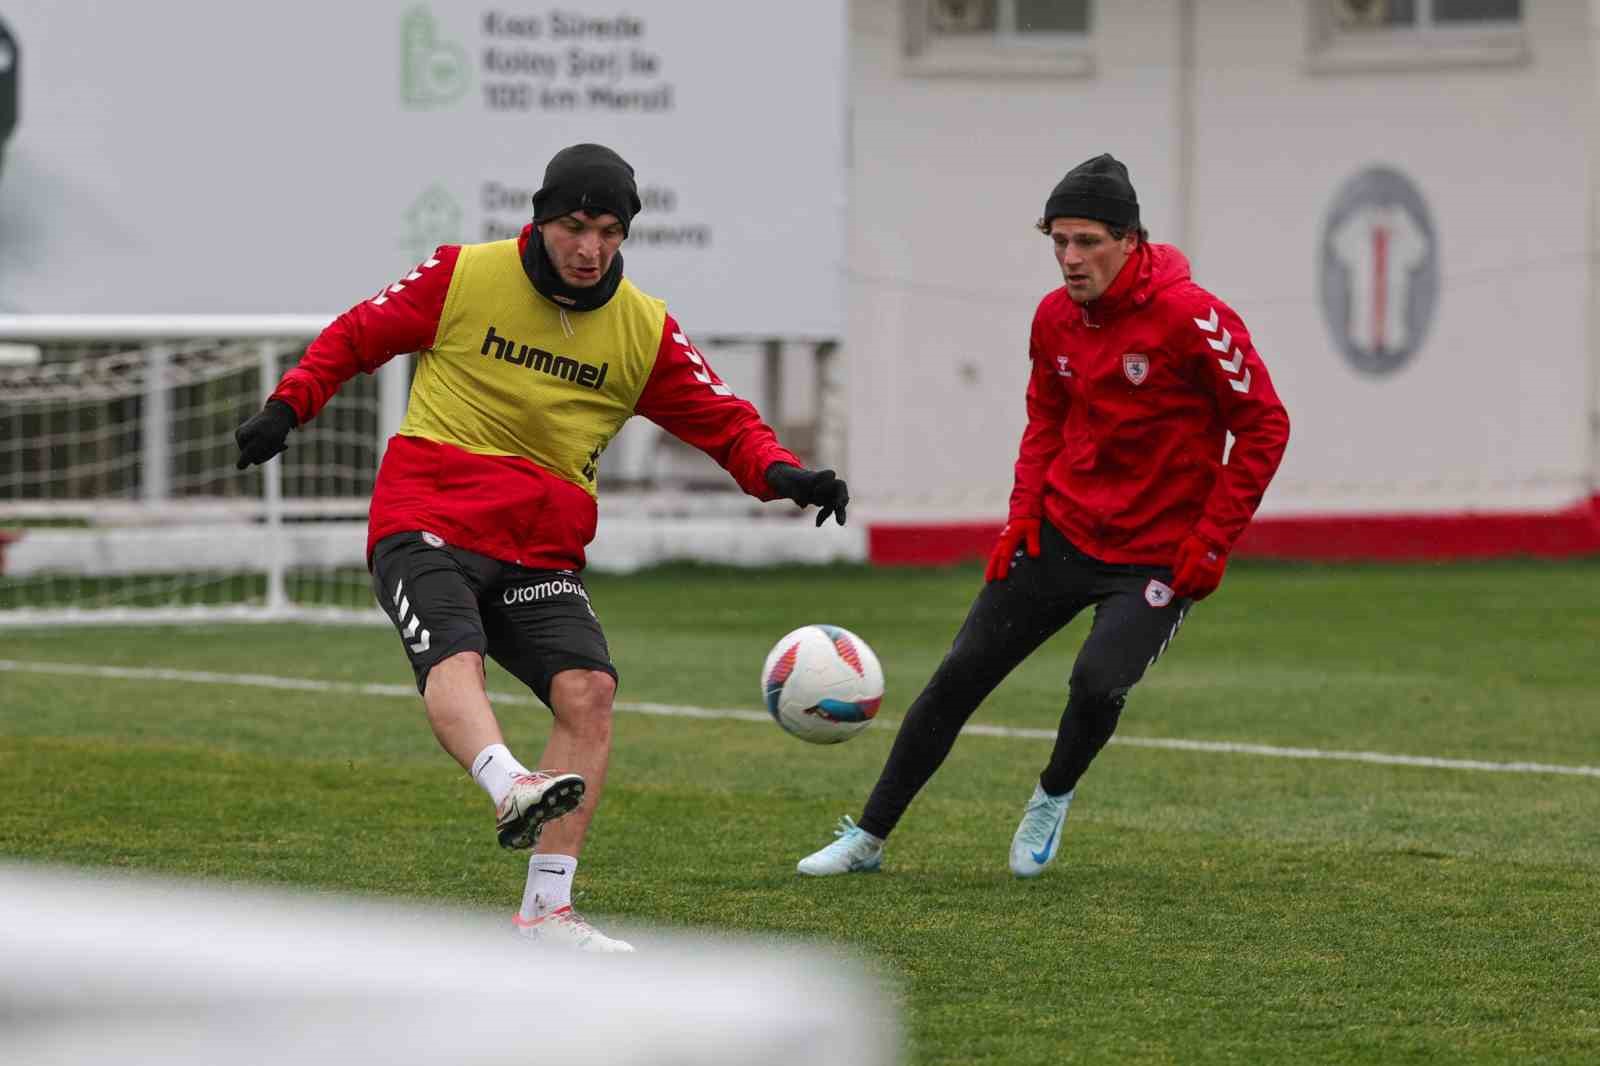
(434,218)
(433,73)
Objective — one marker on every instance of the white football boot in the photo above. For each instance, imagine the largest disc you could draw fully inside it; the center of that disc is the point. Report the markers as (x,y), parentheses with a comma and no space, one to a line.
(854,851)
(1038,837)
(566,928)
(535,798)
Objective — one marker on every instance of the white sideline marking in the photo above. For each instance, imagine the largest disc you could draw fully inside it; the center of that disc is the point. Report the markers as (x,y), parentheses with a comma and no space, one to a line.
(1218,747)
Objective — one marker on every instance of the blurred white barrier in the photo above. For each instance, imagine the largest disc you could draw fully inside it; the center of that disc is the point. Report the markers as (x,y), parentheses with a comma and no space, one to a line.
(98,968)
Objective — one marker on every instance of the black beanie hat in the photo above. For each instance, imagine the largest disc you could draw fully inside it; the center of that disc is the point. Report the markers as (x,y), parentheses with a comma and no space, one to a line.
(587,177)
(1098,189)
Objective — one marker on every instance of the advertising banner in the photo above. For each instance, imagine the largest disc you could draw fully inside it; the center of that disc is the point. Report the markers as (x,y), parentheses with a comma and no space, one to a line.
(177,156)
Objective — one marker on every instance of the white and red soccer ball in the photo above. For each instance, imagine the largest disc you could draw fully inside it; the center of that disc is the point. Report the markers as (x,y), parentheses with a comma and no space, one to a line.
(822,684)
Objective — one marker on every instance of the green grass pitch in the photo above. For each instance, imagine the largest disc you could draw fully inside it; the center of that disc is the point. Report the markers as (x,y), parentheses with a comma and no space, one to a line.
(1206,908)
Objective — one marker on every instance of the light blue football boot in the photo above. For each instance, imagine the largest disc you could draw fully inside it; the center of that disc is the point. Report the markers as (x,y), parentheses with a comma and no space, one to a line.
(854,851)
(1038,837)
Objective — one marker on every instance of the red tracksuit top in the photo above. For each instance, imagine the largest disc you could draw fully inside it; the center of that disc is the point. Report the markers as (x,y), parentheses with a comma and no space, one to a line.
(489,495)
(1129,403)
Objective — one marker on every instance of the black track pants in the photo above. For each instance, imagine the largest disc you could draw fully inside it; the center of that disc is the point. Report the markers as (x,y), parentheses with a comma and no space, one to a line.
(1135,617)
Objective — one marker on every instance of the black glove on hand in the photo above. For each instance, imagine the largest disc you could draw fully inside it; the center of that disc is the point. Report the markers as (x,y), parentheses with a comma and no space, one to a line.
(822,487)
(262,435)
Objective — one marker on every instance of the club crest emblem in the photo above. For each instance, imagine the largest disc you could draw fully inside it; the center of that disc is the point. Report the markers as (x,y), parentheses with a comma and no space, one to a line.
(1380,270)
(1157,594)
(1136,367)
(1062,368)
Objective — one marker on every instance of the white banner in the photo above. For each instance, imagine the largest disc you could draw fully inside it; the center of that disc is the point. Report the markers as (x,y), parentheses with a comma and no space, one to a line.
(180,156)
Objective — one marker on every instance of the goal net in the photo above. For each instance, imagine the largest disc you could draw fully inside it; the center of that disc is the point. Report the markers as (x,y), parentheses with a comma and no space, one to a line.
(118,493)
(120,501)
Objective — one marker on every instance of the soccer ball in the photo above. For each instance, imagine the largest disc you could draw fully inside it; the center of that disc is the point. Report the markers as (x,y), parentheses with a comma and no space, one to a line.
(822,684)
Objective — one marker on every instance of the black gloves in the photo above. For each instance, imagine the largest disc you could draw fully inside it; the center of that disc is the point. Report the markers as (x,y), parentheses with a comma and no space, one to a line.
(261,436)
(821,487)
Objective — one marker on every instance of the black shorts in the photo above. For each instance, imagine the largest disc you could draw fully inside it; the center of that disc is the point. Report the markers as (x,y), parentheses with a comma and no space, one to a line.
(444,600)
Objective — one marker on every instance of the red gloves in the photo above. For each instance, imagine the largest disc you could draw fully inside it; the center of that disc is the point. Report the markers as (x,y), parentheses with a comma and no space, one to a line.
(1197,568)
(1015,532)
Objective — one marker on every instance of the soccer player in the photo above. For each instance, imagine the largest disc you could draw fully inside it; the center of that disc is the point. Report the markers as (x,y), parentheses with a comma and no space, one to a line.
(532,353)
(1125,499)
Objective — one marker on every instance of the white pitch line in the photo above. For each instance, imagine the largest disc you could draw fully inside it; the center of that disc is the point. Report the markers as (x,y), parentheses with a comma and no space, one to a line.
(1218,747)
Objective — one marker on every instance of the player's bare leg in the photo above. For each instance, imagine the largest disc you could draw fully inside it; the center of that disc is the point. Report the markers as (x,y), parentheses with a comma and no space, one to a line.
(457,700)
(580,743)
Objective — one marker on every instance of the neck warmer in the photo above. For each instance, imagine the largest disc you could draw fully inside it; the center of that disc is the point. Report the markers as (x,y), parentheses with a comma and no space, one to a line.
(542,272)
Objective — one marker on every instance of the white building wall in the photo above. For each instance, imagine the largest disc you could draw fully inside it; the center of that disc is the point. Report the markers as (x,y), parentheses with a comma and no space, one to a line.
(948,173)
(1491,413)
(944,269)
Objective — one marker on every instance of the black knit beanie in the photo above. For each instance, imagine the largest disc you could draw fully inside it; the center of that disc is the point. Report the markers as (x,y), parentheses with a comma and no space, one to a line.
(1098,189)
(587,177)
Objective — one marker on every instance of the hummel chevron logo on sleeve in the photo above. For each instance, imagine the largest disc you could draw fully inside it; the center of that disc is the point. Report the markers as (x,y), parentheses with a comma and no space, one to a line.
(399,286)
(701,374)
(1222,344)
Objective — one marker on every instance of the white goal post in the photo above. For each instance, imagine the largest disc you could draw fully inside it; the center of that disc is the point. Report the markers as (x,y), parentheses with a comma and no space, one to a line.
(120,501)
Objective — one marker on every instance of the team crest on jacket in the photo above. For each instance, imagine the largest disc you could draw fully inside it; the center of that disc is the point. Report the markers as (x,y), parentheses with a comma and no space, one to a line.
(1157,593)
(1136,367)
(1062,366)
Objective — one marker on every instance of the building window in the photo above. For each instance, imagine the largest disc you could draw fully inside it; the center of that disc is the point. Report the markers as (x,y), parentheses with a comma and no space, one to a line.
(1349,35)
(1018,38)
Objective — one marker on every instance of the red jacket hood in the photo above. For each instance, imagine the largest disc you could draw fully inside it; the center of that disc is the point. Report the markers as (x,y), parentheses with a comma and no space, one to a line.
(1151,268)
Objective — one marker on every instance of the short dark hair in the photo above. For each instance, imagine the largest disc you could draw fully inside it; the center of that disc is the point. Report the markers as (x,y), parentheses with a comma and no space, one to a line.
(1117,232)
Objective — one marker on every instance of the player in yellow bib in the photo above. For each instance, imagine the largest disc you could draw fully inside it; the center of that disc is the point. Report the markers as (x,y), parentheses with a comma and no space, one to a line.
(531,354)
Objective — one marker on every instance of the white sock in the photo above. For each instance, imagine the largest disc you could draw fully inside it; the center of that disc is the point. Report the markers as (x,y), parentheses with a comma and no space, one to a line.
(494,769)
(549,884)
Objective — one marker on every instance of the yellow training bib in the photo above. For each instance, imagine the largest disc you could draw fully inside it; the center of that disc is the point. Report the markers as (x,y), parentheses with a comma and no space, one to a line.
(504,377)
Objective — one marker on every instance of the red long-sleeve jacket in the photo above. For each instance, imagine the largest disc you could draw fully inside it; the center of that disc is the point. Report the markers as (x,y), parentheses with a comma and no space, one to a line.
(491,496)
(1129,404)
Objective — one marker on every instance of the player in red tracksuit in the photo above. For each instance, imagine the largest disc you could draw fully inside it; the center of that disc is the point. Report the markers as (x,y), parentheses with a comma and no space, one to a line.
(1122,502)
(531,354)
